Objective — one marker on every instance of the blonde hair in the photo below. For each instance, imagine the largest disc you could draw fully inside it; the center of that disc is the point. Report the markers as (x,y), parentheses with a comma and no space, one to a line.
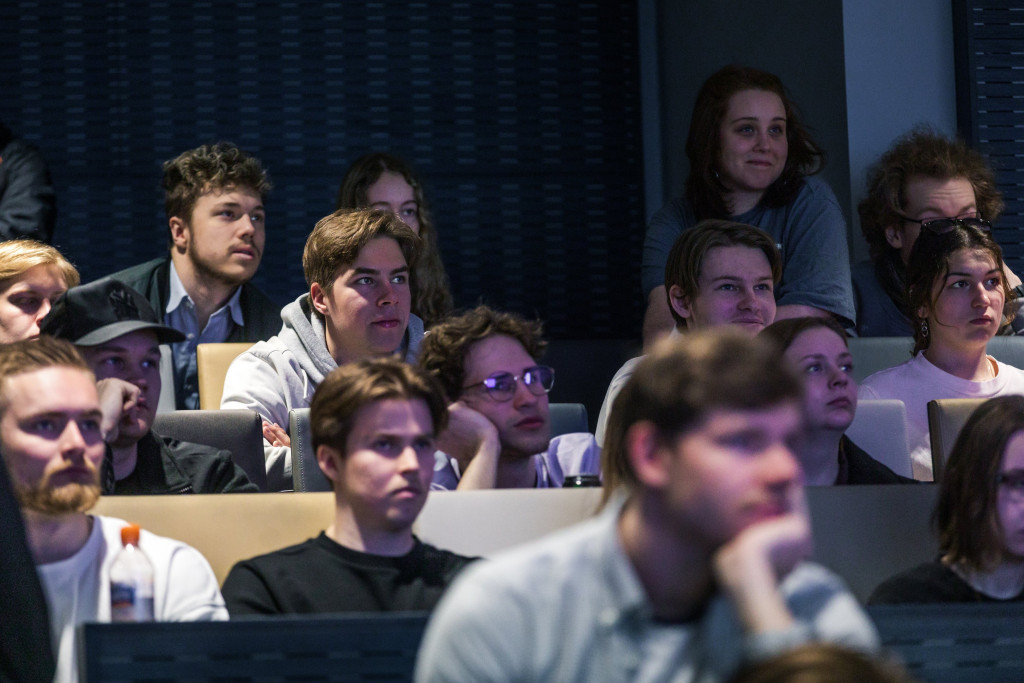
(17,256)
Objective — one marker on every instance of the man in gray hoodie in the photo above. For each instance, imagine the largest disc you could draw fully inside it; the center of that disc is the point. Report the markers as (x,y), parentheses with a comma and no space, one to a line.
(357,265)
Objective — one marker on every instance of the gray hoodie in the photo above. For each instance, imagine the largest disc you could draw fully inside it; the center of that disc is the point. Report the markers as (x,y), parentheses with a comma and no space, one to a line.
(281,374)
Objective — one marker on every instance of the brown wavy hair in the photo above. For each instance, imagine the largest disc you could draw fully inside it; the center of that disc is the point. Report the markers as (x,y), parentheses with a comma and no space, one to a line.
(431,296)
(337,239)
(207,168)
(443,351)
(966,517)
(920,152)
(929,263)
(704,190)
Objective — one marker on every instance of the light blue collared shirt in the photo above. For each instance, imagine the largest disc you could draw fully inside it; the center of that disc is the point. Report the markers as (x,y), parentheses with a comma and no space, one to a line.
(181,315)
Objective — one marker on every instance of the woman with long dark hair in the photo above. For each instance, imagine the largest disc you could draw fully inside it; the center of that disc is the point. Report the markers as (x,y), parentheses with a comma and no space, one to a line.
(751,160)
(979,516)
(383,181)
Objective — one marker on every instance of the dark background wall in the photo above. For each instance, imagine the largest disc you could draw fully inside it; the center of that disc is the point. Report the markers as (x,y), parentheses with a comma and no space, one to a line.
(523,118)
(799,40)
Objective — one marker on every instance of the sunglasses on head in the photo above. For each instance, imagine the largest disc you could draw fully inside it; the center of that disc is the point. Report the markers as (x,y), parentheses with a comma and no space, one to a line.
(940,226)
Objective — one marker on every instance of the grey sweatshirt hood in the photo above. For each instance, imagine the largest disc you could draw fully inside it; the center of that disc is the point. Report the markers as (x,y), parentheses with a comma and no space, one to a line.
(304,335)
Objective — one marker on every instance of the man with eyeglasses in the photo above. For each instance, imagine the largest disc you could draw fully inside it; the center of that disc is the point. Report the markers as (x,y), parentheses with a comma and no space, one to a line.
(499,433)
(925,181)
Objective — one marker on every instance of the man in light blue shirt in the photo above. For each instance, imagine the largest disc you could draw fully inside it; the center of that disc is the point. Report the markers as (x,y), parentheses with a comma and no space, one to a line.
(695,567)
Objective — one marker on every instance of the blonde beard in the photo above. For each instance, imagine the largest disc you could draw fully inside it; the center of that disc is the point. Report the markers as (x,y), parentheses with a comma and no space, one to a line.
(67,499)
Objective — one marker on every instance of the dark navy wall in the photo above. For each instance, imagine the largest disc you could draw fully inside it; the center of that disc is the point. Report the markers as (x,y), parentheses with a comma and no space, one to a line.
(523,118)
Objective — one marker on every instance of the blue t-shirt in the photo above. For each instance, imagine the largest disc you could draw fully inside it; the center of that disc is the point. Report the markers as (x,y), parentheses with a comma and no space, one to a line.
(810,233)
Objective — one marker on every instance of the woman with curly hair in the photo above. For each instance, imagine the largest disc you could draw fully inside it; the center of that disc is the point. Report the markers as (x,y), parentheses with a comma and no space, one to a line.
(383,181)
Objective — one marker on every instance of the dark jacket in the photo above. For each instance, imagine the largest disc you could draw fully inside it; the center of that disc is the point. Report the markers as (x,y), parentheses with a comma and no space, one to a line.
(168,466)
(25,649)
(28,207)
(153,279)
(857,467)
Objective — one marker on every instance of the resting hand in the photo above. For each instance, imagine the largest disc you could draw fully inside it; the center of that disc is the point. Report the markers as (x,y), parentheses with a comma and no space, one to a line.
(118,399)
(276,435)
(749,567)
(468,435)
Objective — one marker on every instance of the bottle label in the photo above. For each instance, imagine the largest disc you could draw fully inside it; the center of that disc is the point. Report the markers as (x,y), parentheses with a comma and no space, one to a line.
(126,604)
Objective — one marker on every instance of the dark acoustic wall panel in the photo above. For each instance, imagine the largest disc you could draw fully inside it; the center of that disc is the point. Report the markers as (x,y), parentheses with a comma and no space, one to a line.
(523,118)
(989,40)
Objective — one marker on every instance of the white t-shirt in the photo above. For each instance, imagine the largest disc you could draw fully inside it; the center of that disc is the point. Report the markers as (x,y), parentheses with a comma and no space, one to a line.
(78,588)
(917,381)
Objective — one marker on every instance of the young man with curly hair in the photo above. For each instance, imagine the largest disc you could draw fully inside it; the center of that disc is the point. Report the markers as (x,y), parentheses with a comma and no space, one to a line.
(922,182)
(214,199)
(500,432)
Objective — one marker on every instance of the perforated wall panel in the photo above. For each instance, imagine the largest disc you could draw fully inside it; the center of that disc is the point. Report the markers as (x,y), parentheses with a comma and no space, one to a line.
(523,118)
(990,104)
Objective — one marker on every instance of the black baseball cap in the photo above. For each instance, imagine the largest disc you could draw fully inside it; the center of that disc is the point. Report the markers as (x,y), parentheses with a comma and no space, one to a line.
(95,313)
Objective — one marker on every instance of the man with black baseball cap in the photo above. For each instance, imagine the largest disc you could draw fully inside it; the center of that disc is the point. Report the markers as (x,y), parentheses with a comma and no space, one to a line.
(117,332)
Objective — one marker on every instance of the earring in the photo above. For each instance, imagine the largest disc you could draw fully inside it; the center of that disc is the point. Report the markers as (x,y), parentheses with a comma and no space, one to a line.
(924,328)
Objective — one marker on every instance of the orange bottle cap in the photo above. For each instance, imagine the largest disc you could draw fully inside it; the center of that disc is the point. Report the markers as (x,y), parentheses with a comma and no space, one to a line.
(130,534)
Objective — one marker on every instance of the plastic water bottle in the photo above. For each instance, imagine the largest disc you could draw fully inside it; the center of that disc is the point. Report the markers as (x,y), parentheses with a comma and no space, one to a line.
(131,580)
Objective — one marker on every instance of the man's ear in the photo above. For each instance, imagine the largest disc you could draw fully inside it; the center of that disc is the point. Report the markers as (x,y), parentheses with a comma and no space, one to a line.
(894,235)
(329,460)
(647,454)
(318,297)
(179,232)
(680,302)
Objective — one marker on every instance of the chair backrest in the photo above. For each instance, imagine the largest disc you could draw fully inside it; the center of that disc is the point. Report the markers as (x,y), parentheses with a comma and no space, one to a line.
(945,642)
(357,647)
(238,431)
(227,528)
(584,367)
(871,354)
(212,361)
(863,533)
(880,428)
(568,418)
(868,533)
(1007,349)
(946,417)
(306,474)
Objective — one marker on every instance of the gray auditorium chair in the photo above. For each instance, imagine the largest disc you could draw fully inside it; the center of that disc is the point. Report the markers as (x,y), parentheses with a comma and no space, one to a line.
(566,418)
(871,354)
(1009,350)
(238,431)
(880,428)
(867,533)
(306,474)
(946,417)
